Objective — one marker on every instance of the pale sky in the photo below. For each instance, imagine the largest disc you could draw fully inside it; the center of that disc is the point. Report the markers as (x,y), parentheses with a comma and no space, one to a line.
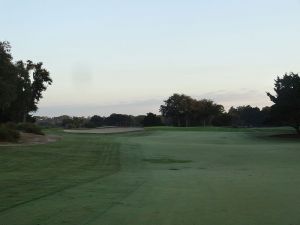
(128,56)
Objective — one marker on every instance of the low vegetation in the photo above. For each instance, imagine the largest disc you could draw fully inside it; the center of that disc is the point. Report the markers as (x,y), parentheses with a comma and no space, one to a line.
(8,133)
(30,128)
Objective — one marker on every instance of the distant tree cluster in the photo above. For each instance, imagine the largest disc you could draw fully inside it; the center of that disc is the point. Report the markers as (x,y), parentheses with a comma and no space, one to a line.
(151,120)
(21,86)
(248,116)
(182,110)
(119,120)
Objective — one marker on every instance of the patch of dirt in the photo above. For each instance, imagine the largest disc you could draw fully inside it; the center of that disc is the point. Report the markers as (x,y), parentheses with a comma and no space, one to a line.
(105,130)
(32,139)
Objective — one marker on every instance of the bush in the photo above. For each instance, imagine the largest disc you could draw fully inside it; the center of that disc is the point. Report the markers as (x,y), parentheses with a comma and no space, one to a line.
(30,128)
(7,133)
(11,125)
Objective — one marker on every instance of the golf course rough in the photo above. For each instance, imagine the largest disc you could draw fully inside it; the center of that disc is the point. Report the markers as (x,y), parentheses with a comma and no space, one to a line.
(156,177)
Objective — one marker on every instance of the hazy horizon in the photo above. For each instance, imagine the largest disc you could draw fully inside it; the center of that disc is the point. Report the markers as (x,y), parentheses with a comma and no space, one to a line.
(129,56)
(141,107)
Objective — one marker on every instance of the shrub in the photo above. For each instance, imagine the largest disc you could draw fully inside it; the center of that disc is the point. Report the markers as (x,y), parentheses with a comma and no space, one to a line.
(8,134)
(11,125)
(30,128)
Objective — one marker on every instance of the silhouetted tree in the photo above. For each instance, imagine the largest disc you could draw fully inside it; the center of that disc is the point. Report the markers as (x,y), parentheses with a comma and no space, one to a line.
(138,120)
(21,86)
(286,108)
(224,119)
(204,111)
(184,110)
(267,117)
(98,121)
(119,120)
(151,120)
(246,116)
(74,122)
(178,108)
(8,81)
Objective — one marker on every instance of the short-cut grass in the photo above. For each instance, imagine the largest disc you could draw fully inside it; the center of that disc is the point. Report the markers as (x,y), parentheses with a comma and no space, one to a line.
(161,176)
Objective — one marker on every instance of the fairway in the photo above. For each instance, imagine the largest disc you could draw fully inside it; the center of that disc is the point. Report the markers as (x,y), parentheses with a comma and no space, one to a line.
(161,176)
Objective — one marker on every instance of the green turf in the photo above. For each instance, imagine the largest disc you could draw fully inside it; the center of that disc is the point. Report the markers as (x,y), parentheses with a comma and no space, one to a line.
(166,160)
(163,176)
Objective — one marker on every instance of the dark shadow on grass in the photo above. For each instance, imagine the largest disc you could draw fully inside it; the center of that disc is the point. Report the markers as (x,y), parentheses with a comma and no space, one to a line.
(287,136)
(166,160)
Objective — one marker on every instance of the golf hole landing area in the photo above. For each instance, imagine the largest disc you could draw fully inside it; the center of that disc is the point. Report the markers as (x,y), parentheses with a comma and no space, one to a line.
(105,130)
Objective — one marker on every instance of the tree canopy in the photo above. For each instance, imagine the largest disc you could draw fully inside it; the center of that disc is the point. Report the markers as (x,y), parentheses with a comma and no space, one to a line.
(286,107)
(151,119)
(21,85)
(246,116)
(182,110)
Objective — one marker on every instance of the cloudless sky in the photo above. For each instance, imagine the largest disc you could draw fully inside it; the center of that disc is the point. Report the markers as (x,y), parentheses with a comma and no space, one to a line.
(128,56)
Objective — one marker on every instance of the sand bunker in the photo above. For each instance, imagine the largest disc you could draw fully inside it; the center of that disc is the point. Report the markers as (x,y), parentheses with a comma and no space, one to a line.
(105,130)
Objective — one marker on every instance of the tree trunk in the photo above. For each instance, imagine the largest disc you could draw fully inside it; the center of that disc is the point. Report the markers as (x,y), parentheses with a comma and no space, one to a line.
(25,118)
(186,122)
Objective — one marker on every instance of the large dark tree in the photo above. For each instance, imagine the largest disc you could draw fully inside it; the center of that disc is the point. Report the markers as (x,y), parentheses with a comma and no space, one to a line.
(21,85)
(286,108)
(247,116)
(204,111)
(151,120)
(8,80)
(224,119)
(98,121)
(178,108)
(119,120)
(183,110)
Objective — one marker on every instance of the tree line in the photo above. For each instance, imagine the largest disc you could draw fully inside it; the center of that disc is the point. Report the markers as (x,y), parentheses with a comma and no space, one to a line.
(182,110)
(115,119)
(23,83)
(242,116)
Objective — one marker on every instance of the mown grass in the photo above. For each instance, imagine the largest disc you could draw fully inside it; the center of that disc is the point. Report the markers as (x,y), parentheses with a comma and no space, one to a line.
(164,175)
(223,129)
(32,172)
(166,160)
